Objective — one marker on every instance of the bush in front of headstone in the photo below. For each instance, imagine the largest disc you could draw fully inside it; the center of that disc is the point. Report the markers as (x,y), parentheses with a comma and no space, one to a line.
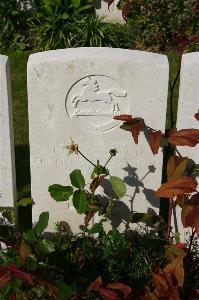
(101,263)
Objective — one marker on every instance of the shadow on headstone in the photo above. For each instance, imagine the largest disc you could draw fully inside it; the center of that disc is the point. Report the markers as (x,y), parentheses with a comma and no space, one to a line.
(120,211)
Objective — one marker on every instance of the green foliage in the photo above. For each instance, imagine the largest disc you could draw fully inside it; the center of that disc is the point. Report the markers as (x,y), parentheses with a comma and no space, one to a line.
(77,179)
(13,25)
(58,24)
(79,30)
(42,223)
(52,26)
(162,25)
(59,192)
(24,202)
(80,201)
(46,246)
(118,186)
(65,291)
(8,214)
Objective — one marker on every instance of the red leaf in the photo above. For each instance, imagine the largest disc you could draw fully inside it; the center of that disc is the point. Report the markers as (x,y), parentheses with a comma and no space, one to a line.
(176,268)
(194,200)
(180,246)
(123,117)
(94,286)
(176,166)
(197,116)
(24,251)
(121,287)
(110,2)
(74,297)
(184,137)
(190,217)
(53,290)
(177,187)
(5,278)
(12,297)
(165,285)
(135,130)
(194,38)
(154,140)
(107,294)
(18,273)
(125,10)
(196,8)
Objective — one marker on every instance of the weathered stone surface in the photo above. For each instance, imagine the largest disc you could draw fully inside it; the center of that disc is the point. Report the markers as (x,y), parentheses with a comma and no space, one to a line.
(188,105)
(7,163)
(75,93)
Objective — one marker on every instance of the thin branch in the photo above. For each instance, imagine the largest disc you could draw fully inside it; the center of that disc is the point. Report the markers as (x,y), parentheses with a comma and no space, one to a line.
(86,158)
(191,241)
(169,218)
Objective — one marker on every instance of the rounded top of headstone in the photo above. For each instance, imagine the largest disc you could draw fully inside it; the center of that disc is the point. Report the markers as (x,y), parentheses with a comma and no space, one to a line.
(190,58)
(97,52)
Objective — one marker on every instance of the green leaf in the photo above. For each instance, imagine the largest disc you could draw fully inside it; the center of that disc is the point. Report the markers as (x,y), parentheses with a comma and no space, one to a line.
(9,214)
(97,228)
(151,220)
(31,263)
(85,7)
(46,246)
(77,179)
(24,202)
(75,3)
(15,13)
(80,201)
(136,217)
(42,223)
(59,192)
(65,291)
(30,236)
(3,258)
(118,186)
(99,170)
(64,16)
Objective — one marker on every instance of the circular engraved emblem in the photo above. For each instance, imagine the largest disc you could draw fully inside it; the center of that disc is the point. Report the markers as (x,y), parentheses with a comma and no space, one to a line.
(94,100)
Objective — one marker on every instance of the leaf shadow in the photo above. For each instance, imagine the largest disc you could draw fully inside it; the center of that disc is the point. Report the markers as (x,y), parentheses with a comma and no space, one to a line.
(120,211)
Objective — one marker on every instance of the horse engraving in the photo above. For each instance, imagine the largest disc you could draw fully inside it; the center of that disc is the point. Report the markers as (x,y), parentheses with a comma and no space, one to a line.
(92,93)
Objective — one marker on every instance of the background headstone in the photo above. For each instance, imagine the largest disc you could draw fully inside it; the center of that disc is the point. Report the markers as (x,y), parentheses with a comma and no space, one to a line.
(75,93)
(113,14)
(188,105)
(7,163)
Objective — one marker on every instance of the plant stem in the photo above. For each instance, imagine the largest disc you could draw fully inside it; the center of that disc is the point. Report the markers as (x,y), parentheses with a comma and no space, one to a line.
(172,87)
(108,161)
(191,241)
(169,218)
(86,158)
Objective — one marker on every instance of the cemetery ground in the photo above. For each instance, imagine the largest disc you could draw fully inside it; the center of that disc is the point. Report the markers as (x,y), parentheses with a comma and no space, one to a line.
(18,64)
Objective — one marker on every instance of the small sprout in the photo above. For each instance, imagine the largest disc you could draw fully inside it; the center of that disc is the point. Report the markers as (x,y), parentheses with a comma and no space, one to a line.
(72,148)
(113,152)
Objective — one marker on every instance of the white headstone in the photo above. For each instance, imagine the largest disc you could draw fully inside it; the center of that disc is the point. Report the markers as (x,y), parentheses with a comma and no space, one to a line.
(7,163)
(112,14)
(75,93)
(188,105)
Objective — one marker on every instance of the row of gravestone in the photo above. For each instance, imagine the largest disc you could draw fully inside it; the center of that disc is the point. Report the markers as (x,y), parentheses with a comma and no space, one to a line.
(75,93)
